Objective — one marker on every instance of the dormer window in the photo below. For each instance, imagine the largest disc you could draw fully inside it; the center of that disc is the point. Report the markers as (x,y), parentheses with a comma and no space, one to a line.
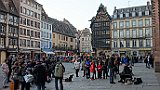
(121,15)
(115,16)
(133,14)
(146,13)
(127,14)
(140,13)
(12,9)
(134,9)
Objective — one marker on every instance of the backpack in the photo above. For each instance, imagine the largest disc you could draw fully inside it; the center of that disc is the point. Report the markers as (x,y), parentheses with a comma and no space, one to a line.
(59,70)
(137,81)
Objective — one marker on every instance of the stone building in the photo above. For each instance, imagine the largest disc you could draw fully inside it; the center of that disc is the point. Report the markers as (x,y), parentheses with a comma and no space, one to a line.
(100,27)
(85,41)
(132,30)
(156,33)
(30,28)
(63,37)
(46,35)
(9,22)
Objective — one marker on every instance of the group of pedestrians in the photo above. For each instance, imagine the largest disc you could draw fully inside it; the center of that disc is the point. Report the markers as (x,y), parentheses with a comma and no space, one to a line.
(99,67)
(14,69)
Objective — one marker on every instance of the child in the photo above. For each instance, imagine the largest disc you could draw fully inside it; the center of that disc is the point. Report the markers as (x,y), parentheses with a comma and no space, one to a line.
(99,69)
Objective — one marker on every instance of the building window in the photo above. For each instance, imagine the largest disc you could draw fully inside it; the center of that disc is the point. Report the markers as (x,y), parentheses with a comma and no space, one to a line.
(28,43)
(11,20)
(115,44)
(32,34)
(114,25)
(134,42)
(127,24)
(38,34)
(82,39)
(140,23)
(66,38)
(133,14)
(147,13)
(121,24)
(28,32)
(28,22)
(127,43)
(24,10)
(148,43)
(32,44)
(127,33)
(147,22)
(15,21)
(115,16)
(53,35)
(140,43)
(2,28)
(71,39)
(121,15)
(2,42)
(28,12)
(121,43)
(24,21)
(2,18)
(140,33)
(115,34)
(127,14)
(121,33)
(133,23)
(140,13)
(134,33)
(148,32)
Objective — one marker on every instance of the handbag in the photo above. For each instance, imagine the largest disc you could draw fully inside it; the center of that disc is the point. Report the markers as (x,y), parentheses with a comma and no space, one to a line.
(28,78)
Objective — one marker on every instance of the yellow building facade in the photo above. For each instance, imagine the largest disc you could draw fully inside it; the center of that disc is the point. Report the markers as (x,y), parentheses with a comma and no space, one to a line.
(62,43)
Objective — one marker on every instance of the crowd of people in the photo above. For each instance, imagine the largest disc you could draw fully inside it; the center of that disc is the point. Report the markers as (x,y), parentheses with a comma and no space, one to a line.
(14,69)
(102,67)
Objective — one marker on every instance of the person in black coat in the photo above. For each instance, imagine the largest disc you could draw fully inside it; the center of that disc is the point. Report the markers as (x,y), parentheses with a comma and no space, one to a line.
(40,76)
(111,68)
(126,73)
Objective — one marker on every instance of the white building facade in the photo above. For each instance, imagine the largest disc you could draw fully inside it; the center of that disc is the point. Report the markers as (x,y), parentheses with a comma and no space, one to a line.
(85,41)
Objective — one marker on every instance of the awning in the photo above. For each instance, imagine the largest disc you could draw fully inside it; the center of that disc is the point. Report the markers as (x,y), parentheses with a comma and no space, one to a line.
(47,51)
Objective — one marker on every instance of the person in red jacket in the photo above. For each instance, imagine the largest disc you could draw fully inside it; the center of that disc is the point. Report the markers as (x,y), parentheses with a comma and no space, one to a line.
(99,69)
(92,70)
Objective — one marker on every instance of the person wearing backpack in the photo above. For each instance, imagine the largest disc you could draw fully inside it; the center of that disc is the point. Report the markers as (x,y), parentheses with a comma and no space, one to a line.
(58,73)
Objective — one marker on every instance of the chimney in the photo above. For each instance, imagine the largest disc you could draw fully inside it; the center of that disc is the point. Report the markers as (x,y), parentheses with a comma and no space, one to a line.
(148,3)
(114,7)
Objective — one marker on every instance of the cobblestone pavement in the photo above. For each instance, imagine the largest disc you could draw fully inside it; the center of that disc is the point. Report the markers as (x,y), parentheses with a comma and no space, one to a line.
(149,78)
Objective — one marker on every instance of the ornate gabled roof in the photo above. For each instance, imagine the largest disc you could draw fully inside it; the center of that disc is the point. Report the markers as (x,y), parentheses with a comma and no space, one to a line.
(101,12)
(2,6)
(101,7)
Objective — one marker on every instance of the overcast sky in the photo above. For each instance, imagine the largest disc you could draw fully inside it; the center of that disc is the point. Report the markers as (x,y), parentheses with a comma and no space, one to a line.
(78,12)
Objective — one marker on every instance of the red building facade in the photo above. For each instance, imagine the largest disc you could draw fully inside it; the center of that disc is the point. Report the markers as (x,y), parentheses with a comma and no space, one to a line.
(156,33)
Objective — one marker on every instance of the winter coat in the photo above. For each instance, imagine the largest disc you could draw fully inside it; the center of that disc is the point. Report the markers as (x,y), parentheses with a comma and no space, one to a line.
(99,68)
(59,70)
(92,67)
(40,74)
